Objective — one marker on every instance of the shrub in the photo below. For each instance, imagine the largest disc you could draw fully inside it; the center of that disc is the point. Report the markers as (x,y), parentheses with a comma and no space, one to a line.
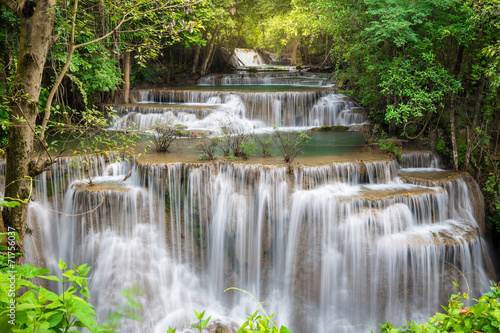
(265,143)
(236,141)
(208,148)
(290,143)
(166,133)
(389,145)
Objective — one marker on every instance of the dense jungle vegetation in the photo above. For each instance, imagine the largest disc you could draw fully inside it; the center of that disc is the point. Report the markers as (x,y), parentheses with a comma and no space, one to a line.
(425,70)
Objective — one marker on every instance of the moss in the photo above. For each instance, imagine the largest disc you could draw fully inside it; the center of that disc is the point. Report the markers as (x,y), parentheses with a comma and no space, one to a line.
(330,128)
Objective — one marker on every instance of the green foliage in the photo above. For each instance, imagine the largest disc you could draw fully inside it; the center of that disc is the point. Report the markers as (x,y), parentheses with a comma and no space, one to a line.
(492,187)
(483,316)
(256,323)
(40,310)
(235,141)
(415,87)
(88,137)
(165,133)
(441,147)
(203,322)
(246,147)
(389,145)
(289,143)
(208,148)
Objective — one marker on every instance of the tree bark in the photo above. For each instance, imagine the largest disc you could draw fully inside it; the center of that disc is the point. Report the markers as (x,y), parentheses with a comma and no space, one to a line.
(196,58)
(477,109)
(293,61)
(207,56)
(453,133)
(61,75)
(126,76)
(37,24)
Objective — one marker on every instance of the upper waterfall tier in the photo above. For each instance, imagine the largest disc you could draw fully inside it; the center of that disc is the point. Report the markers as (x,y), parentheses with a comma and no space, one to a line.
(300,79)
(302,108)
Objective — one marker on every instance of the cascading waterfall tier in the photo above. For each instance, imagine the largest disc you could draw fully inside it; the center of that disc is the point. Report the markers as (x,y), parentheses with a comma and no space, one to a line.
(419,159)
(308,107)
(142,116)
(325,248)
(307,79)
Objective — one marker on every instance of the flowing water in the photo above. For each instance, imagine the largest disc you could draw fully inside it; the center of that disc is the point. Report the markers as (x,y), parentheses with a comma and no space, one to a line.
(254,105)
(326,248)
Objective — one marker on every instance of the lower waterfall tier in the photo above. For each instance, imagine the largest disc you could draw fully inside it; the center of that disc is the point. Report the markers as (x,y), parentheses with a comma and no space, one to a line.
(325,248)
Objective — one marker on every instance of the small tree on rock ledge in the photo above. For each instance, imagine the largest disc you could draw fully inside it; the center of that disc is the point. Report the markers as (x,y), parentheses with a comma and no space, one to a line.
(166,133)
(290,143)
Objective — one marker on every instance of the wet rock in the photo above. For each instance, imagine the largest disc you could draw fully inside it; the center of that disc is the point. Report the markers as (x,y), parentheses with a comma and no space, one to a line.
(219,327)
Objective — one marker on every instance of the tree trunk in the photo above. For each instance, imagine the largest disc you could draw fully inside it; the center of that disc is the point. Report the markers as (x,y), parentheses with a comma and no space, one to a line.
(37,24)
(477,109)
(126,77)
(293,61)
(305,52)
(453,133)
(208,54)
(196,58)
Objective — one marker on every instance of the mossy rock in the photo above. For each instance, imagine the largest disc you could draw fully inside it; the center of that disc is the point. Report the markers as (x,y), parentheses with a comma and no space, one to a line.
(330,129)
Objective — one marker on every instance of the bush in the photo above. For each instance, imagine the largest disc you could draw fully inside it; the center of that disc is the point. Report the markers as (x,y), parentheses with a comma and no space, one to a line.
(236,141)
(389,145)
(208,148)
(166,133)
(265,143)
(290,143)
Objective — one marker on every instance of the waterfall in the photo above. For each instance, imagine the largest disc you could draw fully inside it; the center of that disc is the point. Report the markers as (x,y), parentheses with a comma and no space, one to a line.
(257,109)
(299,79)
(325,248)
(419,160)
(246,57)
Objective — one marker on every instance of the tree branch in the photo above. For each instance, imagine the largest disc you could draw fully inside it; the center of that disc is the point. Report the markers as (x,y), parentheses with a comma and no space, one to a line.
(61,75)
(9,4)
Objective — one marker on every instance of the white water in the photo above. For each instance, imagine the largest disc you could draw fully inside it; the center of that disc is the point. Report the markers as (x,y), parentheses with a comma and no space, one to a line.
(297,79)
(246,58)
(326,248)
(249,110)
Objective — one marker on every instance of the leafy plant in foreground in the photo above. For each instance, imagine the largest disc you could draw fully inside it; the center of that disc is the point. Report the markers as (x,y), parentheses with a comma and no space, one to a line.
(483,316)
(40,310)
(203,322)
(256,323)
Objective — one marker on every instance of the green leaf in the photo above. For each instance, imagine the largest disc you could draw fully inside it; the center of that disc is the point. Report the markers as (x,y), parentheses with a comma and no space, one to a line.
(86,319)
(55,319)
(205,322)
(51,278)
(198,315)
(62,265)
(284,329)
